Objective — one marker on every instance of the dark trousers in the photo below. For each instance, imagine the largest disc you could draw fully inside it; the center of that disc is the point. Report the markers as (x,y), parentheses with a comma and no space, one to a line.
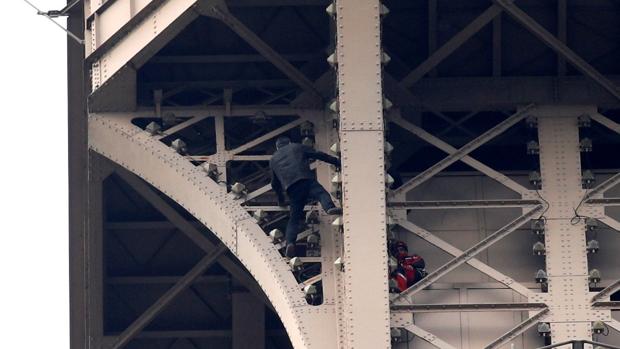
(300,194)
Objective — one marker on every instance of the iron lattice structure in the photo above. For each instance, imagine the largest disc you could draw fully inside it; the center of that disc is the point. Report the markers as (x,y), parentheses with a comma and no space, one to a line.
(462,127)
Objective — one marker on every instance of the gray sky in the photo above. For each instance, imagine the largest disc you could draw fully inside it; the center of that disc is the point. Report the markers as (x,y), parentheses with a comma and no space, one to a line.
(34,296)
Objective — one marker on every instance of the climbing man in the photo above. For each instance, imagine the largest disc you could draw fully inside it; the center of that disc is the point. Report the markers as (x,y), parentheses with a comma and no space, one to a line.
(290,173)
(410,269)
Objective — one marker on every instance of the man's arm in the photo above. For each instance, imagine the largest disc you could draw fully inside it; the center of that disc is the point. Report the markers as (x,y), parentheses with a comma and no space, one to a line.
(317,155)
(277,187)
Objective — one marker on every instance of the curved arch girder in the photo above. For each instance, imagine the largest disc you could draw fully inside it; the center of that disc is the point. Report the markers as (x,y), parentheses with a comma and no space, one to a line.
(115,137)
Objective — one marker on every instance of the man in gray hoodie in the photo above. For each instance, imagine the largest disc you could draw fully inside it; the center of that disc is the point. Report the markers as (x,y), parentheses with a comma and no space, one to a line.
(291,173)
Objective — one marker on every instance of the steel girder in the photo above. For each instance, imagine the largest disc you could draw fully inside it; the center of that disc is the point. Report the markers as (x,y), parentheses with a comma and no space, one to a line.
(114,137)
(360,115)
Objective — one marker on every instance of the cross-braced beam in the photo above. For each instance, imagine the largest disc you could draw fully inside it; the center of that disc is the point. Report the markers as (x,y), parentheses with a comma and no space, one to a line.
(220,12)
(429,138)
(467,255)
(191,231)
(143,320)
(463,151)
(473,262)
(557,45)
(452,45)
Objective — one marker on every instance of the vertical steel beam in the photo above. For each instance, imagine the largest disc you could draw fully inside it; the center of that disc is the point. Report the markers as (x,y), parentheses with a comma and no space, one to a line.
(78,180)
(156,308)
(220,144)
(248,321)
(566,259)
(366,308)
(94,249)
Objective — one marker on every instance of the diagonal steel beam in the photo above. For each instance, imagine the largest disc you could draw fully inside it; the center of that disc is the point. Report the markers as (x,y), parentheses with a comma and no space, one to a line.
(475,263)
(453,124)
(464,150)
(268,136)
(428,337)
(613,323)
(607,291)
(143,320)
(610,222)
(517,330)
(605,121)
(603,187)
(459,122)
(452,45)
(554,43)
(429,138)
(220,11)
(467,255)
(181,126)
(191,231)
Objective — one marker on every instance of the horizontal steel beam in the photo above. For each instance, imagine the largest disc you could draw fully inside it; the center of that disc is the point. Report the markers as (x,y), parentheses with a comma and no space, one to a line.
(604,202)
(496,93)
(580,344)
(192,334)
(163,280)
(480,307)
(461,204)
(219,84)
(609,305)
(277,3)
(212,59)
(145,225)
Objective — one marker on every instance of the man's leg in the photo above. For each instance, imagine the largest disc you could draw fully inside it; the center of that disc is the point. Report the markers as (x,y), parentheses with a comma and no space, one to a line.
(298,195)
(295,220)
(317,192)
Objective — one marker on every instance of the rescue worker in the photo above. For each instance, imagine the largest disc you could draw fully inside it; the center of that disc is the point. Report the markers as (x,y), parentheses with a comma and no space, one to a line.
(290,173)
(411,268)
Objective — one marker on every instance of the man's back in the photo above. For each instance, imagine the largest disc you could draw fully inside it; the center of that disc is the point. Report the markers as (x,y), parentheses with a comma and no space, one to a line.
(291,164)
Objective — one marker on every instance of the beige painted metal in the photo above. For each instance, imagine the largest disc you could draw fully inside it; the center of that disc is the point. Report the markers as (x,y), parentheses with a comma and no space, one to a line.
(567,265)
(366,311)
(114,137)
(163,22)
(108,19)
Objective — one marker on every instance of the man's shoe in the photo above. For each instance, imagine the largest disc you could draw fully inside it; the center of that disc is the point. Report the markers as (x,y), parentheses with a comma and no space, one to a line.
(290,251)
(334,211)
